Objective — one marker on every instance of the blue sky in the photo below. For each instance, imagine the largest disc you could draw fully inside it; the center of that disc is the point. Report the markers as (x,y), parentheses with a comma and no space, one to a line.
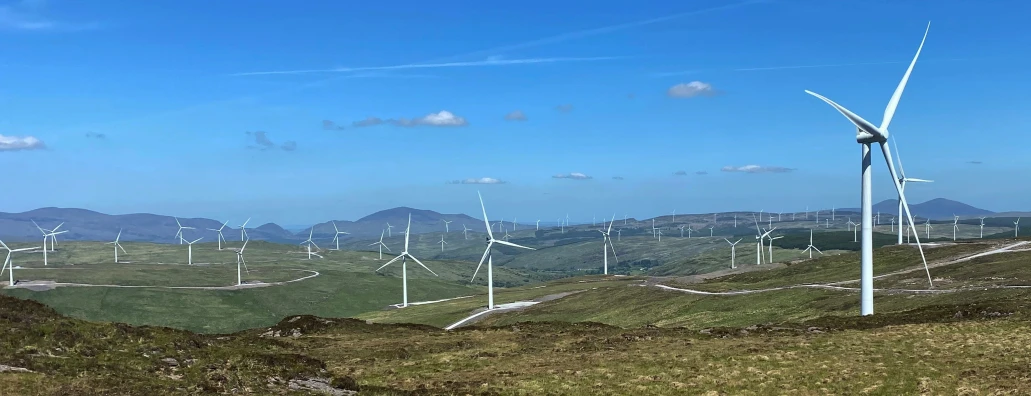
(146,106)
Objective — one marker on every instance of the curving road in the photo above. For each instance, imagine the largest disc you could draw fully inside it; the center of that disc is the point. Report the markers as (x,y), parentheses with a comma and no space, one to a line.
(47,285)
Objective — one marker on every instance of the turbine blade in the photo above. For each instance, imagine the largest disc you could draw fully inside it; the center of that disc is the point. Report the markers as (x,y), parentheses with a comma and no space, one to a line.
(390,262)
(856,119)
(407,229)
(909,215)
(507,243)
(482,259)
(423,265)
(902,169)
(817,249)
(613,248)
(889,111)
(485,221)
(120,247)
(916,180)
(610,224)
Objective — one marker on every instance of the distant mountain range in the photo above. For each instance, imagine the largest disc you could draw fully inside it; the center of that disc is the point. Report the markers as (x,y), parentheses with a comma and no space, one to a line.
(935,209)
(85,224)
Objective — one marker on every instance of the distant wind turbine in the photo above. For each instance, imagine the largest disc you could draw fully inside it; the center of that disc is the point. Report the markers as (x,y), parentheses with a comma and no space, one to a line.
(8,265)
(219,231)
(955,226)
(465,231)
(117,245)
(404,256)
(606,244)
(311,243)
(447,227)
(982,227)
(902,174)
(442,242)
(380,244)
(336,237)
(488,256)
(179,233)
(389,229)
(811,247)
(243,230)
(1016,228)
(733,251)
(190,257)
(240,262)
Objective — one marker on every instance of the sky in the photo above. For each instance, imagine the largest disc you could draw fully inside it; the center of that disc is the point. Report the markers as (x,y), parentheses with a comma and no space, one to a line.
(301,112)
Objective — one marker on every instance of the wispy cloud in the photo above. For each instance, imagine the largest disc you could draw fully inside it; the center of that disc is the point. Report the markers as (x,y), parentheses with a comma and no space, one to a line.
(564,108)
(27,15)
(975,162)
(680,173)
(368,121)
(264,143)
(701,173)
(690,90)
(617,177)
(442,118)
(94,135)
(331,126)
(482,180)
(515,116)
(757,169)
(795,67)
(574,176)
(17,143)
(486,62)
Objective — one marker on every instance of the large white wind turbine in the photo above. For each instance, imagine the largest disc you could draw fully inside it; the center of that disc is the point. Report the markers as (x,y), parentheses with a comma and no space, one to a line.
(771,246)
(465,230)
(404,256)
(442,242)
(606,244)
(733,251)
(681,227)
(336,237)
(117,245)
(390,230)
(538,225)
(1016,228)
(219,231)
(867,134)
(902,172)
(927,228)
(447,225)
(49,234)
(955,226)
(8,265)
(190,257)
(240,262)
(380,244)
(243,230)
(811,247)
(488,256)
(311,243)
(982,227)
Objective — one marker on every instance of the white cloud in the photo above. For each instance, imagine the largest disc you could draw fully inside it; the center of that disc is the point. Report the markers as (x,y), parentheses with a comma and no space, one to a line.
(482,180)
(515,116)
(756,169)
(691,89)
(15,143)
(443,118)
(574,176)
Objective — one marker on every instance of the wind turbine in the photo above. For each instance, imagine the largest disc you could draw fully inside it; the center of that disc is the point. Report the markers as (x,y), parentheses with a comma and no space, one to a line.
(955,226)
(7,261)
(489,257)
(538,225)
(465,230)
(1016,228)
(336,237)
(674,216)
(811,247)
(771,246)
(240,262)
(653,228)
(442,242)
(311,243)
(390,228)
(179,233)
(190,257)
(902,171)
(867,134)
(733,251)
(658,232)
(624,219)
(243,230)
(607,243)
(514,224)
(219,231)
(117,245)
(689,231)
(850,224)
(927,228)
(381,245)
(832,212)
(855,232)
(710,231)
(893,225)
(619,234)
(681,230)
(982,227)
(447,226)
(404,256)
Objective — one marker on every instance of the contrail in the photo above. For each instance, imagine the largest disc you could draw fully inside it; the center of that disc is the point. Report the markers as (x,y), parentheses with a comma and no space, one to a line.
(488,62)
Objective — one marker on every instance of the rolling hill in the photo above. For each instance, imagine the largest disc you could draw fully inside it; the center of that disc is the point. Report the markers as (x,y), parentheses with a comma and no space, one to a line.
(935,209)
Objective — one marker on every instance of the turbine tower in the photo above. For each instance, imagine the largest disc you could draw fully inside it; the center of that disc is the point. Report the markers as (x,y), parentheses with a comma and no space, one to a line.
(868,134)
(733,251)
(606,244)
(538,225)
(243,230)
(336,237)
(1016,228)
(404,256)
(117,245)
(488,256)
(771,247)
(811,247)
(190,257)
(982,227)
(380,244)
(447,225)
(219,231)
(955,226)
